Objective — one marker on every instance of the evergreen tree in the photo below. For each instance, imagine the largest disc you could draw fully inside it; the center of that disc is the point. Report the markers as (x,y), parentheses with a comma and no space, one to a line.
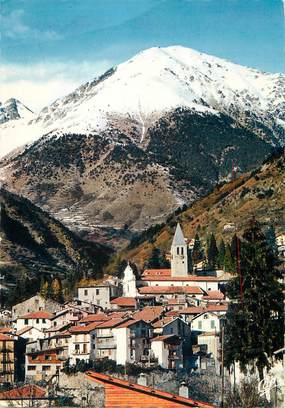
(198,252)
(56,290)
(190,261)
(155,259)
(213,252)
(229,262)
(271,238)
(222,253)
(254,328)
(234,247)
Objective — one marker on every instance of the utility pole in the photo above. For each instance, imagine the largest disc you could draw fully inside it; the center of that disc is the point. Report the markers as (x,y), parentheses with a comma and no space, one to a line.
(223,377)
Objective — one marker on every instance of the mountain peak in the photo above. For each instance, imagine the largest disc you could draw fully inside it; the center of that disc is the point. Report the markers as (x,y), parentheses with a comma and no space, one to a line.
(13,109)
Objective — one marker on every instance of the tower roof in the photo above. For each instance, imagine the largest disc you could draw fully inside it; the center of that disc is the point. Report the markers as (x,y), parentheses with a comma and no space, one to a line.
(178,238)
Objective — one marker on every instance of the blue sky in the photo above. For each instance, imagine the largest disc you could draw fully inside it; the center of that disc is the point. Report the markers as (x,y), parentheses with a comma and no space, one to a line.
(48,47)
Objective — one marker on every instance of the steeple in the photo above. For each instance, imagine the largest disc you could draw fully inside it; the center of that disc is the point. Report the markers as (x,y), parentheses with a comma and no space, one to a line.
(179,257)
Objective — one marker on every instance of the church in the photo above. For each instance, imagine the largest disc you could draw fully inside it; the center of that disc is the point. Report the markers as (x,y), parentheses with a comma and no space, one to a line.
(177,276)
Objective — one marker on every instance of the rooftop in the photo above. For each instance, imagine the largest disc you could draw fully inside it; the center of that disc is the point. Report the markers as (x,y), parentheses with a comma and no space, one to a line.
(195,290)
(149,313)
(124,301)
(26,392)
(38,315)
(99,317)
(173,398)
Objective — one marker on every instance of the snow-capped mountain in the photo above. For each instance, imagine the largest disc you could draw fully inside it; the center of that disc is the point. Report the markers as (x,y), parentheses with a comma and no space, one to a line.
(154,82)
(13,109)
(147,136)
(160,79)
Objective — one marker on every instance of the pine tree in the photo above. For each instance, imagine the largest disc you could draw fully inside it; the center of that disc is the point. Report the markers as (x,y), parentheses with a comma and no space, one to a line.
(56,290)
(155,259)
(271,238)
(254,328)
(222,253)
(229,263)
(190,261)
(197,253)
(213,252)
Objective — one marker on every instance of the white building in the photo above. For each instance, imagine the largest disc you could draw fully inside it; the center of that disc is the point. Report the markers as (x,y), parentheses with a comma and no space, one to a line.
(206,322)
(168,351)
(133,341)
(179,257)
(82,342)
(99,294)
(39,320)
(30,333)
(129,283)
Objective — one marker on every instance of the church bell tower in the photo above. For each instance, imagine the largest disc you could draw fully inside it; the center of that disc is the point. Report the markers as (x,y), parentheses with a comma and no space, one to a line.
(179,257)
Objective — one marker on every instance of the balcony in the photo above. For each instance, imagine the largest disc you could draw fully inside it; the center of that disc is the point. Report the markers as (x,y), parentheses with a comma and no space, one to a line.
(106,345)
(104,335)
(80,352)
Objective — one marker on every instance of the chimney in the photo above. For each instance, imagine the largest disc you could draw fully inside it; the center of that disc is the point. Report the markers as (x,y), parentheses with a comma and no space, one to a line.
(184,390)
(142,379)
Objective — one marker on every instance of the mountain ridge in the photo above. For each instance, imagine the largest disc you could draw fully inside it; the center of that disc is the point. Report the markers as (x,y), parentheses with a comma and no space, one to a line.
(123,151)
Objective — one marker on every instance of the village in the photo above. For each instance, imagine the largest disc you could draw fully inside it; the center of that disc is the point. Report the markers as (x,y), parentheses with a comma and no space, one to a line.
(170,319)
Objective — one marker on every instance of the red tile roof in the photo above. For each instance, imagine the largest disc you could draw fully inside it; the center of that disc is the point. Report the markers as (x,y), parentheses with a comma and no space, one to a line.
(4,337)
(165,337)
(192,310)
(195,290)
(99,317)
(213,295)
(115,315)
(28,391)
(111,323)
(6,330)
(173,398)
(84,329)
(24,330)
(149,313)
(190,278)
(173,313)
(162,322)
(157,272)
(128,323)
(38,315)
(124,301)
(199,309)
(217,308)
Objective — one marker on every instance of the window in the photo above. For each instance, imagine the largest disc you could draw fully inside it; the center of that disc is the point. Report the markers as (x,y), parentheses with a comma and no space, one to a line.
(26,321)
(200,325)
(93,336)
(85,292)
(46,368)
(34,357)
(97,292)
(31,368)
(47,357)
(44,320)
(182,251)
(93,346)
(37,321)
(213,326)
(177,250)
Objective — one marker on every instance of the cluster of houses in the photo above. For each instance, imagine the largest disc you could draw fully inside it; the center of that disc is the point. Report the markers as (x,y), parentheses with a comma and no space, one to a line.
(167,318)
